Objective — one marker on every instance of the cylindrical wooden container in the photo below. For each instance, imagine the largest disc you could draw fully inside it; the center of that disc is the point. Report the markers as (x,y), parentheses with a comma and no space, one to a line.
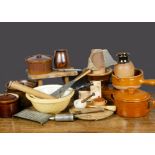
(39,64)
(8,105)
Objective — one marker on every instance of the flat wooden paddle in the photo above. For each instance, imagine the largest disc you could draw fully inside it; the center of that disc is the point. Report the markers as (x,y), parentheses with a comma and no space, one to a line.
(59,92)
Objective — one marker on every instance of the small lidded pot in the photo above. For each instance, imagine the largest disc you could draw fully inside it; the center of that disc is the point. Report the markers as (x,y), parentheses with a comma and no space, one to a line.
(39,64)
(132,102)
(8,104)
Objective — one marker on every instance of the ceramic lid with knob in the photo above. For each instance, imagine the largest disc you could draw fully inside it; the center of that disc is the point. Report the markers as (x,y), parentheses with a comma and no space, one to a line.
(131,95)
(38,58)
(7,98)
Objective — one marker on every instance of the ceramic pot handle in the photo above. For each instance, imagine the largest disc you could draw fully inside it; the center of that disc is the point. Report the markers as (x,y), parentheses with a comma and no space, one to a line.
(112,98)
(148,82)
(151,103)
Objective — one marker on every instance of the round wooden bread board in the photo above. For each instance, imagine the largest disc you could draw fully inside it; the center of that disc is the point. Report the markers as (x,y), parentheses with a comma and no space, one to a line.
(95,116)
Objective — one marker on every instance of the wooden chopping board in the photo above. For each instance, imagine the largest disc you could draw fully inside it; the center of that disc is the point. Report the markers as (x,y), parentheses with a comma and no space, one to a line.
(95,116)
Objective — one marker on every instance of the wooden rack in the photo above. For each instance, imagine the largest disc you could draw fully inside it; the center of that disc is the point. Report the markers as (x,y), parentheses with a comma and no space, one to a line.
(53,74)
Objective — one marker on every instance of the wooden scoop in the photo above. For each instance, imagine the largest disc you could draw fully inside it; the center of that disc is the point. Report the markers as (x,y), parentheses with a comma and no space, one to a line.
(16,85)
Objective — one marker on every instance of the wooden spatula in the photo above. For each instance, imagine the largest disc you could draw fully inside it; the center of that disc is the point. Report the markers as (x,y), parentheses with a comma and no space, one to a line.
(61,90)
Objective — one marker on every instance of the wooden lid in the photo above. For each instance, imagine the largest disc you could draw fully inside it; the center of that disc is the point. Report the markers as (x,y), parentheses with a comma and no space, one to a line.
(131,95)
(38,58)
(8,98)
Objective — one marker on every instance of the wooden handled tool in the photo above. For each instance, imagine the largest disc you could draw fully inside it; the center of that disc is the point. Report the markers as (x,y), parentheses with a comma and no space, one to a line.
(16,85)
(92,109)
(87,98)
(61,90)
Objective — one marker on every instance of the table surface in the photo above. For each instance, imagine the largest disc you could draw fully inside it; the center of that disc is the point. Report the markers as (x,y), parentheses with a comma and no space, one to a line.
(109,125)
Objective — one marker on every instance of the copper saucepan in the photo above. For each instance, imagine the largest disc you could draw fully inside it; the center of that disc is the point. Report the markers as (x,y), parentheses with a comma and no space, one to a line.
(131,82)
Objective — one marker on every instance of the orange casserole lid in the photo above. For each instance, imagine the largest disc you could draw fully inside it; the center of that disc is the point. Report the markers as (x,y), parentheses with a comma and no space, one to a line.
(131,95)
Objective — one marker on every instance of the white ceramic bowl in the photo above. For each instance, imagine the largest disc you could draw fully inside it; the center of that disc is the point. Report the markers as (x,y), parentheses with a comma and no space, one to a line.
(53,106)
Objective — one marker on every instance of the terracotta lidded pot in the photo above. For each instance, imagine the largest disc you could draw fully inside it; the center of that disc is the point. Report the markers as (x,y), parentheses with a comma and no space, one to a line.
(61,59)
(39,64)
(132,102)
(8,104)
(125,68)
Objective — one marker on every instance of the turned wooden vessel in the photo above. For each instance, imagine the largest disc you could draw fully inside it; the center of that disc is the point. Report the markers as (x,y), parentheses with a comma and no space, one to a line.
(39,64)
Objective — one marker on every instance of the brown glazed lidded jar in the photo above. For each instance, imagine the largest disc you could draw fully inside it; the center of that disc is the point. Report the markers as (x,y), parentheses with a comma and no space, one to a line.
(8,104)
(132,102)
(61,59)
(39,64)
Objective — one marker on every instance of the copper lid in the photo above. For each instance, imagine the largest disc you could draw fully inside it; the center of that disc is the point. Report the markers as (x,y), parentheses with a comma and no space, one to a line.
(131,95)
(8,98)
(38,58)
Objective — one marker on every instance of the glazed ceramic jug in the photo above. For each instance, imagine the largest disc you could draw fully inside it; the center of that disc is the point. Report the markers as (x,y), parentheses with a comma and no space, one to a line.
(125,67)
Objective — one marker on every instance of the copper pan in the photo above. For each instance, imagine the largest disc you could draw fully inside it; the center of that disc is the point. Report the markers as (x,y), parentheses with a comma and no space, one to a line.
(132,82)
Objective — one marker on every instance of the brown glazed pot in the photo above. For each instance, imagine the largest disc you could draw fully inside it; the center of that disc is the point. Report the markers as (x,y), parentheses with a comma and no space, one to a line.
(39,64)
(8,105)
(132,102)
(61,59)
(131,82)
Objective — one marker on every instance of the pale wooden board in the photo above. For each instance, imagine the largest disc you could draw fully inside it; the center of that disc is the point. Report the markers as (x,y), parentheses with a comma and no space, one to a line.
(95,116)
(53,74)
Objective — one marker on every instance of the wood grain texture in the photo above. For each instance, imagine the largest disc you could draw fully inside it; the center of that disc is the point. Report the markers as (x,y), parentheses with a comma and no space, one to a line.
(112,124)
(53,74)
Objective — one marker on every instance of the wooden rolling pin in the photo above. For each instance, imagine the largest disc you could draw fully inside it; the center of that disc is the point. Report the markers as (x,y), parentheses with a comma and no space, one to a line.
(16,85)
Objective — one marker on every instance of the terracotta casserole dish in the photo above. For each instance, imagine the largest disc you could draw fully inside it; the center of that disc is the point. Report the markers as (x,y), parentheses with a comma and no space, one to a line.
(132,102)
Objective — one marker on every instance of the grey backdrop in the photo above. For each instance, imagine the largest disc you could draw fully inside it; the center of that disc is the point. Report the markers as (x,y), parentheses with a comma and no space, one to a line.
(19,40)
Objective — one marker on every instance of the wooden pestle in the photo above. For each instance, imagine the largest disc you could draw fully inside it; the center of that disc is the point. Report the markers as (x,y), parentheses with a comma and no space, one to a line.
(16,85)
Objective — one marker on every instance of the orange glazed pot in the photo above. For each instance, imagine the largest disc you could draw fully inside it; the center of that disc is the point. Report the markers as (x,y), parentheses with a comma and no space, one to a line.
(132,102)
(131,82)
